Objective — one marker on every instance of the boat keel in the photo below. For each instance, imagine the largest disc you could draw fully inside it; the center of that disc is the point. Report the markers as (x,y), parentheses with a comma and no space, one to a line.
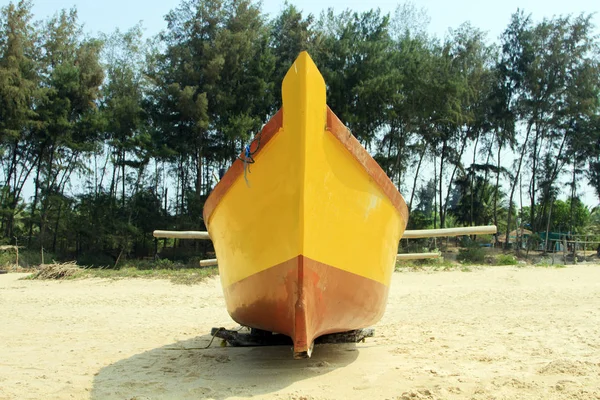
(257,338)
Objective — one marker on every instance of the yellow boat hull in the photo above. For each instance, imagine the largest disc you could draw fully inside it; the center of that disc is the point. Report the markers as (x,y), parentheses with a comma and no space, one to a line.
(307,235)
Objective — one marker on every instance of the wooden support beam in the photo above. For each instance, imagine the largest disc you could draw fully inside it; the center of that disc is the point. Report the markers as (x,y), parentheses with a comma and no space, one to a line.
(414,234)
(416,256)
(209,263)
(181,234)
(406,256)
(470,230)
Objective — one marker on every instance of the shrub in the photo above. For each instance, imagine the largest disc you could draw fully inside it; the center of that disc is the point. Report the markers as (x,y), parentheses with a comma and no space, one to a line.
(471,255)
(95,259)
(7,258)
(506,259)
(436,263)
(31,258)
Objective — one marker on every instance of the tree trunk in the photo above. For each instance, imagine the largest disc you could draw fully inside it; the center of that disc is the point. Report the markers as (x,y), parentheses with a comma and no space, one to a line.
(101,182)
(125,242)
(45,202)
(123,178)
(177,188)
(56,227)
(462,149)
(548,226)
(7,221)
(198,183)
(183,184)
(113,182)
(390,172)
(399,158)
(556,168)
(472,183)
(573,190)
(434,194)
(414,188)
(35,199)
(515,181)
(533,182)
(440,183)
(496,189)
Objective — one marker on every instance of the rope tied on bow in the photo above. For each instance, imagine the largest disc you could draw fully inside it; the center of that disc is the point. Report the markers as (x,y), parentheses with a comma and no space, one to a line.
(248,159)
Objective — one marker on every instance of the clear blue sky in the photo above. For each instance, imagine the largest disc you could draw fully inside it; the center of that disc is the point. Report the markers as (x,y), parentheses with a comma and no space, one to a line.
(491,16)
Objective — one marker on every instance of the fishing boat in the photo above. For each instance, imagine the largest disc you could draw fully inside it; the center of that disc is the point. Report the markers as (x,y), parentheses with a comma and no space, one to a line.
(305,224)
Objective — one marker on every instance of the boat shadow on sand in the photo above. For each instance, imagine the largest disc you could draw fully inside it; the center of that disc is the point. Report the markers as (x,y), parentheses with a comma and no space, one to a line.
(183,370)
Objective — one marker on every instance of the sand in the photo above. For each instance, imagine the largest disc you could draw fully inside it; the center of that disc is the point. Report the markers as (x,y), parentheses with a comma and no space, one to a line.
(492,333)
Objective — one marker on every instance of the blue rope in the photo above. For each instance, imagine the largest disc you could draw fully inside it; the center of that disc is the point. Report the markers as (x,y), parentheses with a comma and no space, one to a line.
(248,156)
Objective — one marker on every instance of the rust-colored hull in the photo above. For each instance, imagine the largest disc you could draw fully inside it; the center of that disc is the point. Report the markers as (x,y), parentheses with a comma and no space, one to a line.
(304,299)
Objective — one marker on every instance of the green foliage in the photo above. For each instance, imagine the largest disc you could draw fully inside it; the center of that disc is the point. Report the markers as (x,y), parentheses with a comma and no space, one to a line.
(471,255)
(477,201)
(353,54)
(420,220)
(118,136)
(548,263)
(7,258)
(533,241)
(27,258)
(290,33)
(569,216)
(20,92)
(505,259)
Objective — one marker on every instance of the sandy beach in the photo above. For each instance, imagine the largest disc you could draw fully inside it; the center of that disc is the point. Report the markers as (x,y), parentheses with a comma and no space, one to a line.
(491,333)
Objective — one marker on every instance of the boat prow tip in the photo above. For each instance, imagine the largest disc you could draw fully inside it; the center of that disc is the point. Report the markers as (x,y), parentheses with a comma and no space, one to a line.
(299,355)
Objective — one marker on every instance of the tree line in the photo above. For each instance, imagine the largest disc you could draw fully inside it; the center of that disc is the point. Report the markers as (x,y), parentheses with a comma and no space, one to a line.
(114,136)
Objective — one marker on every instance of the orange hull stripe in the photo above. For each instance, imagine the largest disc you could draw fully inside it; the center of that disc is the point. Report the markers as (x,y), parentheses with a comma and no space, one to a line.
(304,299)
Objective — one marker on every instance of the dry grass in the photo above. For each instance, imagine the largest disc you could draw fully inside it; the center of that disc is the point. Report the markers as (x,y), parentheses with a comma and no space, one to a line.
(56,271)
(17,268)
(183,276)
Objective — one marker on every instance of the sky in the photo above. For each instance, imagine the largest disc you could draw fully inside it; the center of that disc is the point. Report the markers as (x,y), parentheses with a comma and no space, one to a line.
(492,17)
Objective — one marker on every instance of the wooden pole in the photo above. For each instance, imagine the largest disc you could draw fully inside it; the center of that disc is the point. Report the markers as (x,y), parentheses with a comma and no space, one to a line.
(17,250)
(407,256)
(414,234)
(209,263)
(471,230)
(416,256)
(181,234)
